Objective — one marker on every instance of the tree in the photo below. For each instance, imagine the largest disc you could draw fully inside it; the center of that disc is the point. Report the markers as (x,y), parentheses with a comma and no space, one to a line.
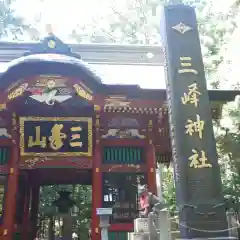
(228,140)
(169,190)
(81,212)
(133,22)
(216,29)
(228,134)
(11,26)
(138,22)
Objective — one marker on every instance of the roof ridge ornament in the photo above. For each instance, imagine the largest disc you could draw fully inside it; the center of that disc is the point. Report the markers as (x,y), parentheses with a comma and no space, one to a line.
(52,45)
(49,29)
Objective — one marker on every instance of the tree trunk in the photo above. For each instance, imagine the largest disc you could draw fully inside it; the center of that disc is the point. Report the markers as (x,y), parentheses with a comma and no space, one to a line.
(51,228)
(67,227)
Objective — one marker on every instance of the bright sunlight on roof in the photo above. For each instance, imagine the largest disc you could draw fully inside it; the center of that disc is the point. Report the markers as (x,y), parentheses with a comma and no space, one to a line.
(150,77)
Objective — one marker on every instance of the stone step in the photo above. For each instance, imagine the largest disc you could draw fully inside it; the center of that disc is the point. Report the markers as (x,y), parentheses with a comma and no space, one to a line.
(133,236)
(175,234)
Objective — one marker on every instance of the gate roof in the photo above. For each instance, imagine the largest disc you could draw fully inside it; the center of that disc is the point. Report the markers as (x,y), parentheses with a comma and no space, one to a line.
(52,56)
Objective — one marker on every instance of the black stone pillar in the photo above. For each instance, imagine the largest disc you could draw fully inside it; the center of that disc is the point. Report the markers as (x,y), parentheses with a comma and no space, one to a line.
(197,173)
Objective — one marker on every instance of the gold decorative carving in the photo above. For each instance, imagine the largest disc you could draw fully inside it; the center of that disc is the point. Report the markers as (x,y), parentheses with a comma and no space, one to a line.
(51,44)
(163,132)
(117,101)
(14,121)
(82,92)
(136,167)
(17,92)
(55,119)
(86,88)
(97,108)
(50,81)
(150,125)
(3,106)
(32,162)
(97,123)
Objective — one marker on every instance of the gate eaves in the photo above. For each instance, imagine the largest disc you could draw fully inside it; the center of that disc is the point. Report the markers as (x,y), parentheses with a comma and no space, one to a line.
(96,53)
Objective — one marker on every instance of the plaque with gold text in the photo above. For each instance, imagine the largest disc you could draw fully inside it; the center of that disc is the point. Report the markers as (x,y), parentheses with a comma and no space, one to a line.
(55,136)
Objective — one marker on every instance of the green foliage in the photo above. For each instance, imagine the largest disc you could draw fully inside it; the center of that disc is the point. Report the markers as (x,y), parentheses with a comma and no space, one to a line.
(11,25)
(228,139)
(81,212)
(133,22)
(216,29)
(169,190)
(231,190)
(138,22)
(228,134)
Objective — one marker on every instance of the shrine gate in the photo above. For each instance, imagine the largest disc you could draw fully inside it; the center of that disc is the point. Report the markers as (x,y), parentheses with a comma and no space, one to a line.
(61,125)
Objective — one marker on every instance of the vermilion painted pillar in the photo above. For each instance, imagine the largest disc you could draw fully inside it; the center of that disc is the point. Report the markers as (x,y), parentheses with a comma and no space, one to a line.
(151,162)
(96,183)
(10,198)
(25,223)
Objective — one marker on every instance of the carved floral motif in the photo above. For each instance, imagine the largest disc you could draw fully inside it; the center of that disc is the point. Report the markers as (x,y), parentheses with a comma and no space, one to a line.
(33,161)
(50,90)
(4,133)
(127,134)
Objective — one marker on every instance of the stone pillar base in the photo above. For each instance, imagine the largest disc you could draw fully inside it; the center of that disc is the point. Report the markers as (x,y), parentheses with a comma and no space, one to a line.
(214,238)
(141,236)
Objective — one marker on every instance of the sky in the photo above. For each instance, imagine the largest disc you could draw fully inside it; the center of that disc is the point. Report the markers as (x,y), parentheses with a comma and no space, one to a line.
(228,71)
(64,15)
